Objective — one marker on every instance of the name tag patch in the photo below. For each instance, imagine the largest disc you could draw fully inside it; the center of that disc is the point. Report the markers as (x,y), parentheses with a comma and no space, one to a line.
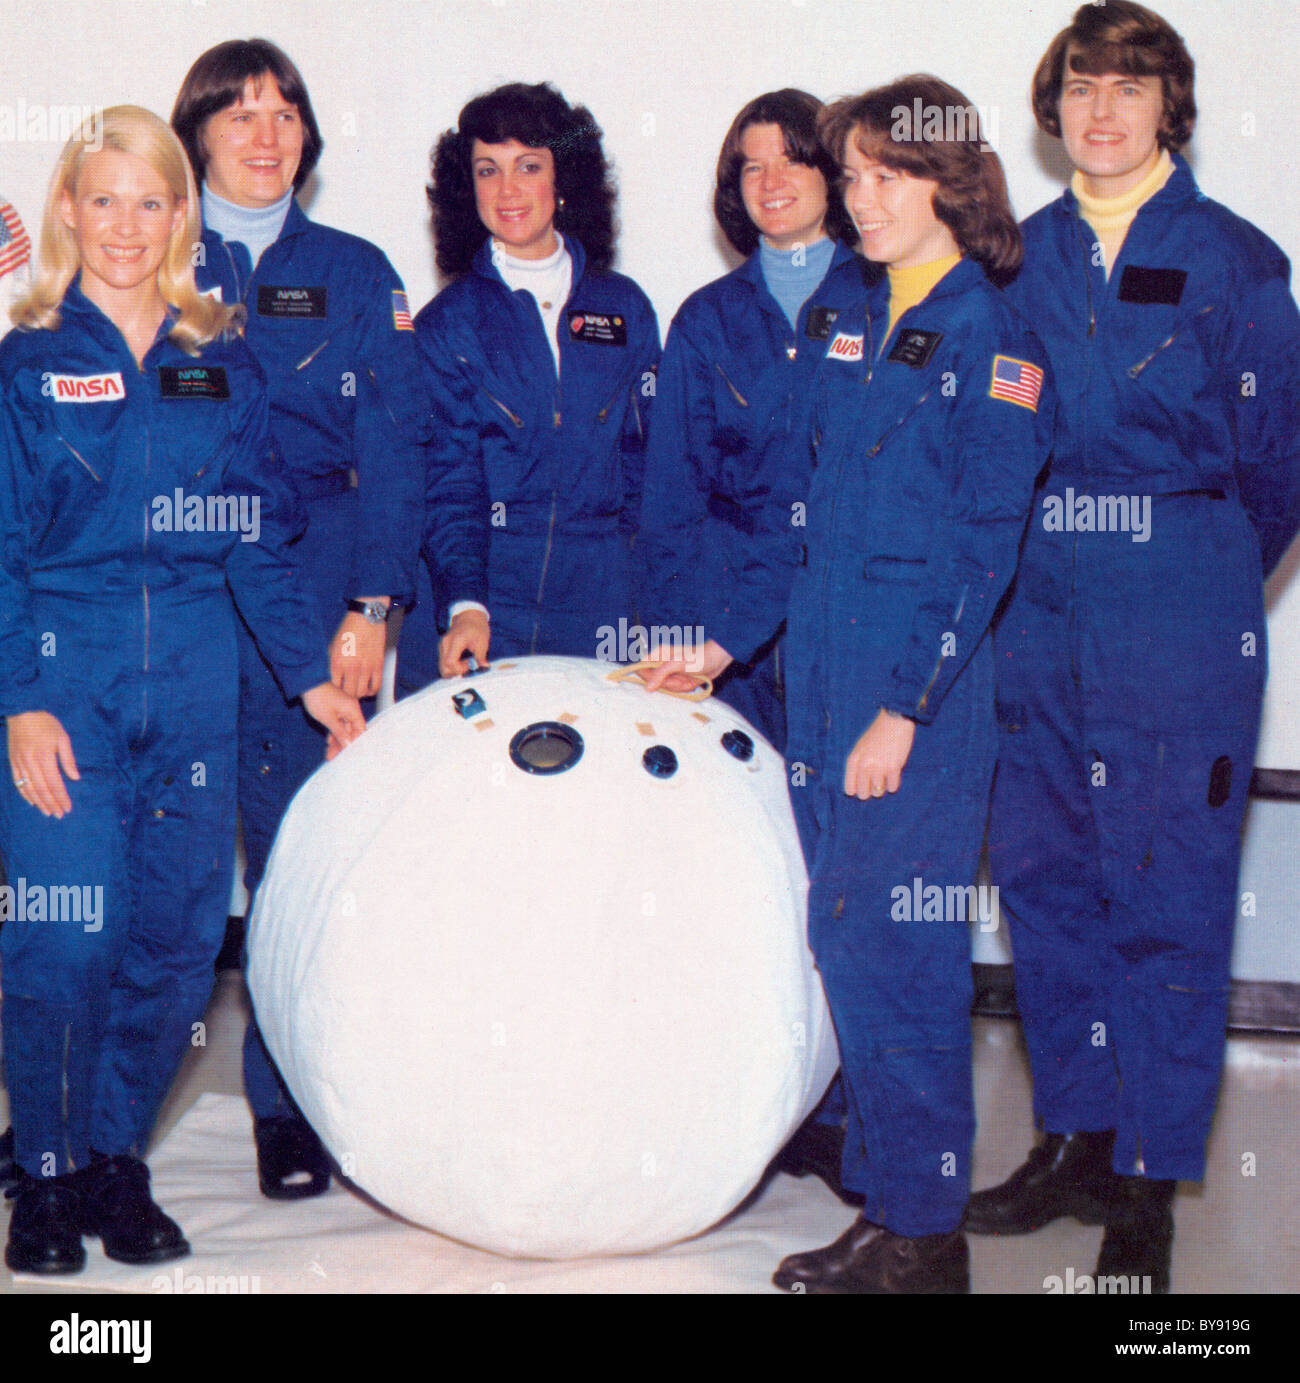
(1162,287)
(193,382)
(273,301)
(820,322)
(845,347)
(598,328)
(915,348)
(84,388)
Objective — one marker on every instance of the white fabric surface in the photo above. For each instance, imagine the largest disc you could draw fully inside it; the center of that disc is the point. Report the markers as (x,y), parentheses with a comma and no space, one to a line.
(552,1016)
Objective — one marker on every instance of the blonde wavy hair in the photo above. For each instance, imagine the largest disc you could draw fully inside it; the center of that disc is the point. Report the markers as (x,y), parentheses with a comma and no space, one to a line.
(129,130)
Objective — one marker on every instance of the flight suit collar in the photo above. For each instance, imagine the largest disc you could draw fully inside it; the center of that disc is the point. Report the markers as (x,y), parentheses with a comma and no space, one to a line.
(88,316)
(1174,196)
(485,268)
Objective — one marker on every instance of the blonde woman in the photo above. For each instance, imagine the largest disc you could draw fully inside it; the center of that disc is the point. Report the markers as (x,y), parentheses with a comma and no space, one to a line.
(136,481)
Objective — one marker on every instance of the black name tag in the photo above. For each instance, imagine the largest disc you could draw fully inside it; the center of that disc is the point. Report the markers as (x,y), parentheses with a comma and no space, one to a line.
(820,322)
(273,301)
(598,328)
(1152,286)
(193,382)
(915,348)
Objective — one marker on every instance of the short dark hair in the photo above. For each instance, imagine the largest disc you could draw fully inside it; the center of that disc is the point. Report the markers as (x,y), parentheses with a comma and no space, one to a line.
(217,80)
(795,114)
(540,118)
(1124,38)
(971,199)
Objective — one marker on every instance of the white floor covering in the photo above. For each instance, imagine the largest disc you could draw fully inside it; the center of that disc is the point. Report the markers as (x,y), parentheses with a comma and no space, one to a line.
(1237,1232)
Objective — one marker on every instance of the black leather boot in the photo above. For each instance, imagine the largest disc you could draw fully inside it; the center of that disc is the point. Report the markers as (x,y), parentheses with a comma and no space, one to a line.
(8,1167)
(871,1260)
(1139,1238)
(288,1149)
(1067,1174)
(116,1205)
(44,1227)
(817,1150)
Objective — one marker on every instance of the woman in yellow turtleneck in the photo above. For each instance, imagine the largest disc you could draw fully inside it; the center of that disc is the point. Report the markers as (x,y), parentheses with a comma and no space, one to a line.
(930,434)
(1130,657)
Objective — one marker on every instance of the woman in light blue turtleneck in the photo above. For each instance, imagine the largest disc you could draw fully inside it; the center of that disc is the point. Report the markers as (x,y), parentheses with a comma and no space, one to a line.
(727,469)
(329,324)
(728,465)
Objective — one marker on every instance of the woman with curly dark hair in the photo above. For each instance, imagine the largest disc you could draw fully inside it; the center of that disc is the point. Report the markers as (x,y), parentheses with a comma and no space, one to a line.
(727,469)
(540,365)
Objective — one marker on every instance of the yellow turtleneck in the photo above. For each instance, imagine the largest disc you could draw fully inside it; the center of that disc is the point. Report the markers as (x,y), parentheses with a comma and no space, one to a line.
(907,287)
(1110,217)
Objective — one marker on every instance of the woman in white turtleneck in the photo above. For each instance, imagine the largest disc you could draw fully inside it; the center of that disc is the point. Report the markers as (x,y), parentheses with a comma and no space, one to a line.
(540,365)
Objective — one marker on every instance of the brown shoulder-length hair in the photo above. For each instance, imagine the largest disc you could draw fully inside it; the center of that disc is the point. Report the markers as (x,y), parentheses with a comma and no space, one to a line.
(794,113)
(217,80)
(922,126)
(1127,39)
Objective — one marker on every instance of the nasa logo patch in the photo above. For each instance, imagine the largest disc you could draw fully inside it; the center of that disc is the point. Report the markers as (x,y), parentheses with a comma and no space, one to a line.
(845,347)
(84,388)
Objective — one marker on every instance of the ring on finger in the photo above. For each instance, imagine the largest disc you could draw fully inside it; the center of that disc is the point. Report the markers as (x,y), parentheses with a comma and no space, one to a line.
(20,782)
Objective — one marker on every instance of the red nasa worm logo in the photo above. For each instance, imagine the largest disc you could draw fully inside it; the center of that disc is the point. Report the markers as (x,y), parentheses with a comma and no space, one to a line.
(576,324)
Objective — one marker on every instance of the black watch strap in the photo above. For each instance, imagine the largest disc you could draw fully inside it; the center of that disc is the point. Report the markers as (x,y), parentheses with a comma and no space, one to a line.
(374,610)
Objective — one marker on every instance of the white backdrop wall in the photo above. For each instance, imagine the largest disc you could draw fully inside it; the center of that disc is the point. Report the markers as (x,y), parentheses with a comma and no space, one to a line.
(663,78)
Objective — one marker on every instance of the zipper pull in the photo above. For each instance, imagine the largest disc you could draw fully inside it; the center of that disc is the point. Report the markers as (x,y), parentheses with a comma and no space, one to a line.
(556,417)
(791,352)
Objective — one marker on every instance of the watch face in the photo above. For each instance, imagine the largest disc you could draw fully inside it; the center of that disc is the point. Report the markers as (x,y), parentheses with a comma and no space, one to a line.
(371,610)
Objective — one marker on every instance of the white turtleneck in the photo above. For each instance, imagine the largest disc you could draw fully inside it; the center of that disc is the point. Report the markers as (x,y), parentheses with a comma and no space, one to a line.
(548,280)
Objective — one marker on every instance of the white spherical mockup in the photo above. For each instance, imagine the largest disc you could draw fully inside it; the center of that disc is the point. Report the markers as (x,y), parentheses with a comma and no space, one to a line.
(530,956)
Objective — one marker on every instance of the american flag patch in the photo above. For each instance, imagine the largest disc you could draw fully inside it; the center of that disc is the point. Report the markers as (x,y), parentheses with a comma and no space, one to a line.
(15,245)
(1016,381)
(401,312)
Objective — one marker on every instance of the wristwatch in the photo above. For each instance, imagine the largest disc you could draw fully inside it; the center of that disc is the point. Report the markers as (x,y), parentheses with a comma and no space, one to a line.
(374,610)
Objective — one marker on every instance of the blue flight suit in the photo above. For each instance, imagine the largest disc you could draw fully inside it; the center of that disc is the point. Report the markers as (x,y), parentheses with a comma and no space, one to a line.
(925,464)
(534,478)
(728,466)
(118,621)
(1132,664)
(329,323)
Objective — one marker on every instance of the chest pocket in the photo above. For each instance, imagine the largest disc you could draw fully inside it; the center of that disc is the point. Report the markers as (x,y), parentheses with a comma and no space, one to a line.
(189,444)
(499,405)
(1176,358)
